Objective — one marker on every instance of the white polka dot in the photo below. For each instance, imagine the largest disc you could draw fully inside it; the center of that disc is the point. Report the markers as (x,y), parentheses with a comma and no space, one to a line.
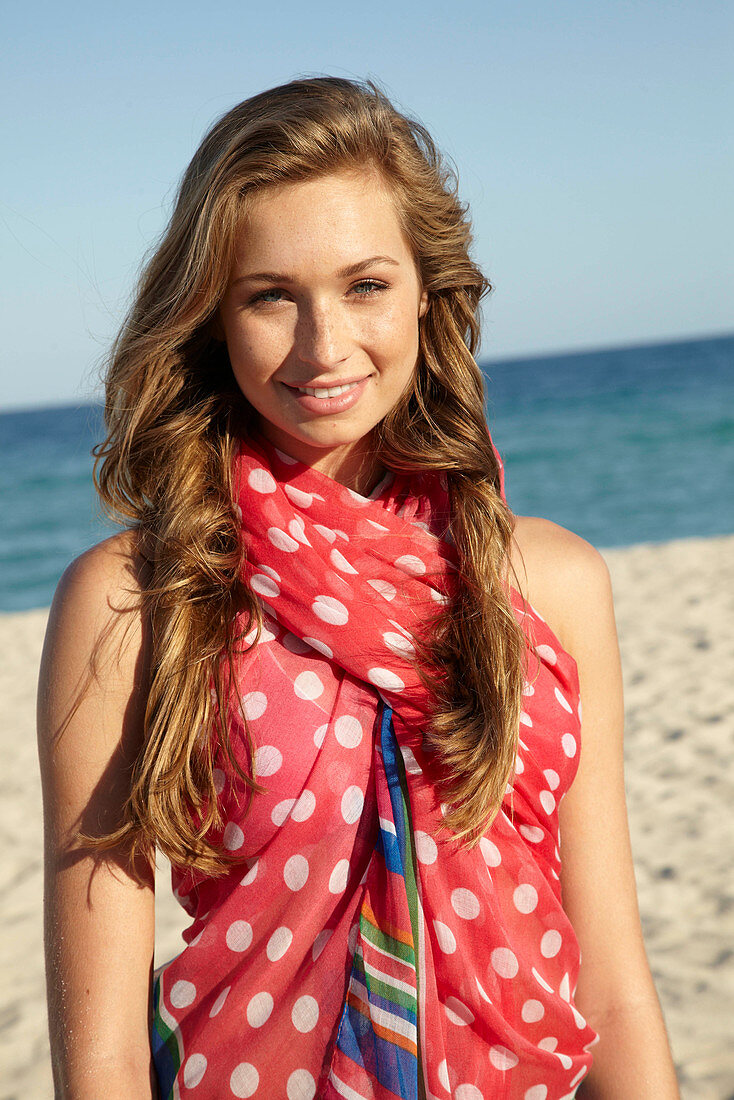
(193,1071)
(308,686)
(305,1014)
(287,459)
(409,563)
(282,541)
(268,760)
(577,1076)
(398,644)
(536,1092)
(385,589)
(304,807)
(219,1003)
(519,765)
(338,877)
(244,1080)
(385,679)
(541,981)
(348,731)
(251,875)
(261,481)
(547,801)
(550,944)
(438,596)
(552,778)
(564,989)
(264,586)
(457,1012)
(294,644)
(412,766)
(532,833)
(532,1011)
(254,705)
(525,719)
(300,1085)
(352,803)
(443,1075)
(562,700)
(525,897)
(549,1043)
(330,610)
(425,847)
(546,653)
(279,943)
(319,735)
(218,777)
(320,942)
(482,991)
(297,496)
(281,811)
(528,689)
(468,1092)
(183,994)
(578,1018)
(504,962)
(568,742)
(339,562)
(295,872)
(445,937)
(239,935)
(320,647)
(502,1058)
(325,532)
(233,837)
(490,851)
(259,1009)
(465,903)
(297,529)
(565,1060)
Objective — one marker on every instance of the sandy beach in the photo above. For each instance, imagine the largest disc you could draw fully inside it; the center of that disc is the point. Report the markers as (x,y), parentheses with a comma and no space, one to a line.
(675,612)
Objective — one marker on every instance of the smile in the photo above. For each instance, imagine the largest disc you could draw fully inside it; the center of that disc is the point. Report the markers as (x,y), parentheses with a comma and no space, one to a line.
(327,391)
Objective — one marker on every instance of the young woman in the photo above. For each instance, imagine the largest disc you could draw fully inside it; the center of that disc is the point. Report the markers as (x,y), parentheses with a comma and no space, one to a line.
(329,674)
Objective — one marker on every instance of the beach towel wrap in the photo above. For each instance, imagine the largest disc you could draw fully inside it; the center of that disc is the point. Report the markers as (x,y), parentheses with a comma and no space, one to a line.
(355,953)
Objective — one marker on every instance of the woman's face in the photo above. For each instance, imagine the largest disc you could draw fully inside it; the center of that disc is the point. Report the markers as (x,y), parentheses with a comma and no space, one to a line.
(324,297)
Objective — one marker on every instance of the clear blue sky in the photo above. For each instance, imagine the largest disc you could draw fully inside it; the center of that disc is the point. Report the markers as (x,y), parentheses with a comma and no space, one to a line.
(593,141)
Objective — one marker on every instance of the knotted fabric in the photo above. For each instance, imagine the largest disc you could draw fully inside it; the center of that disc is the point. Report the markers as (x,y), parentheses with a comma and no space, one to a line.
(356,952)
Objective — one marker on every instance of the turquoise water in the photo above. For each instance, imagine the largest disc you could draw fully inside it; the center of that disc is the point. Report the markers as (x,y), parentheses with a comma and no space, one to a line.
(622,446)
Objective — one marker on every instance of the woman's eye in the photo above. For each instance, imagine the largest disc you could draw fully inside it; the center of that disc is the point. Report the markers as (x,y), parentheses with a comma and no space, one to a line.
(272,295)
(367,287)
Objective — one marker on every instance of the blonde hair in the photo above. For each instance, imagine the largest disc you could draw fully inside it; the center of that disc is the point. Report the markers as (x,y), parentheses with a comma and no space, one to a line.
(174,413)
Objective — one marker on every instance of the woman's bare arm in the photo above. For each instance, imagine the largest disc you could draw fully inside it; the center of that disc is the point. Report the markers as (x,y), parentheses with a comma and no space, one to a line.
(568,582)
(99,920)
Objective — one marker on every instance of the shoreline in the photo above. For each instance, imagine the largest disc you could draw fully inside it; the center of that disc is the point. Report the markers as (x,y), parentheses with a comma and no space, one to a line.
(675,614)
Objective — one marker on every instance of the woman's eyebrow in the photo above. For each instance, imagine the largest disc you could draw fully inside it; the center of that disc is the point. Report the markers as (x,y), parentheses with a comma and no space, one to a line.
(343,273)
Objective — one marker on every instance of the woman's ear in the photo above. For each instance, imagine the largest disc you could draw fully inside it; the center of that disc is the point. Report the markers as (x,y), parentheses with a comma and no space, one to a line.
(422,308)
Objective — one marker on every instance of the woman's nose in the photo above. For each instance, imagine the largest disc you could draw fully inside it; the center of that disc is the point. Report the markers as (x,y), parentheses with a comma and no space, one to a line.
(321,337)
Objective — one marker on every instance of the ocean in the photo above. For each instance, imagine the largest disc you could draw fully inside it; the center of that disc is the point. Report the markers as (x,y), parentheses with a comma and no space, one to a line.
(621,446)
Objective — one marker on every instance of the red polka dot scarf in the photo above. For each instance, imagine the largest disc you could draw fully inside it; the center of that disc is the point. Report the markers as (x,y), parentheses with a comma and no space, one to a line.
(361,955)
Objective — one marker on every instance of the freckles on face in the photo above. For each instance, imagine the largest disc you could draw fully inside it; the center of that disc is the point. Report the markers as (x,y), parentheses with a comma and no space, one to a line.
(324,295)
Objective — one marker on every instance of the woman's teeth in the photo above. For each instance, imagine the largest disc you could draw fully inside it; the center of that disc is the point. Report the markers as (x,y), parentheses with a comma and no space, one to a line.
(332,391)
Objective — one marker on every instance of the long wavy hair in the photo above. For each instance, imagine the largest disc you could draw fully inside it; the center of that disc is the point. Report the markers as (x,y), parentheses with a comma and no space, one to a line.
(173,417)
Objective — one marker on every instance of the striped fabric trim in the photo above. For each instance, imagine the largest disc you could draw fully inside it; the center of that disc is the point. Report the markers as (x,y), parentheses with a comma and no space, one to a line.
(165,1043)
(376,1053)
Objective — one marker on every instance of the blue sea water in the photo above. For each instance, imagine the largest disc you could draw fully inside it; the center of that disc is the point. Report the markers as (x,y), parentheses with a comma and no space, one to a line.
(622,446)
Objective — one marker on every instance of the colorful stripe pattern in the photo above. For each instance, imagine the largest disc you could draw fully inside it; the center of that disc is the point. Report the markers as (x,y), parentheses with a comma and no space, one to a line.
(165,1045)
(377,1045)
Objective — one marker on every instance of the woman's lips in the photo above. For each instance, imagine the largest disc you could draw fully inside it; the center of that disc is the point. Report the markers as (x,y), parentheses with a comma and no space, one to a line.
(337,397)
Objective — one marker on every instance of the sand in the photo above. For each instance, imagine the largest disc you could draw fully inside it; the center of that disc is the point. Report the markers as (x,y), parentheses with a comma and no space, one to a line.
(675,611)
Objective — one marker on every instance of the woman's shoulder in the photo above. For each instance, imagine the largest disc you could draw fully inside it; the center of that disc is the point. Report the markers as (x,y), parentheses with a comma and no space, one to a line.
(561,575)
(114,566)
(99,599)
